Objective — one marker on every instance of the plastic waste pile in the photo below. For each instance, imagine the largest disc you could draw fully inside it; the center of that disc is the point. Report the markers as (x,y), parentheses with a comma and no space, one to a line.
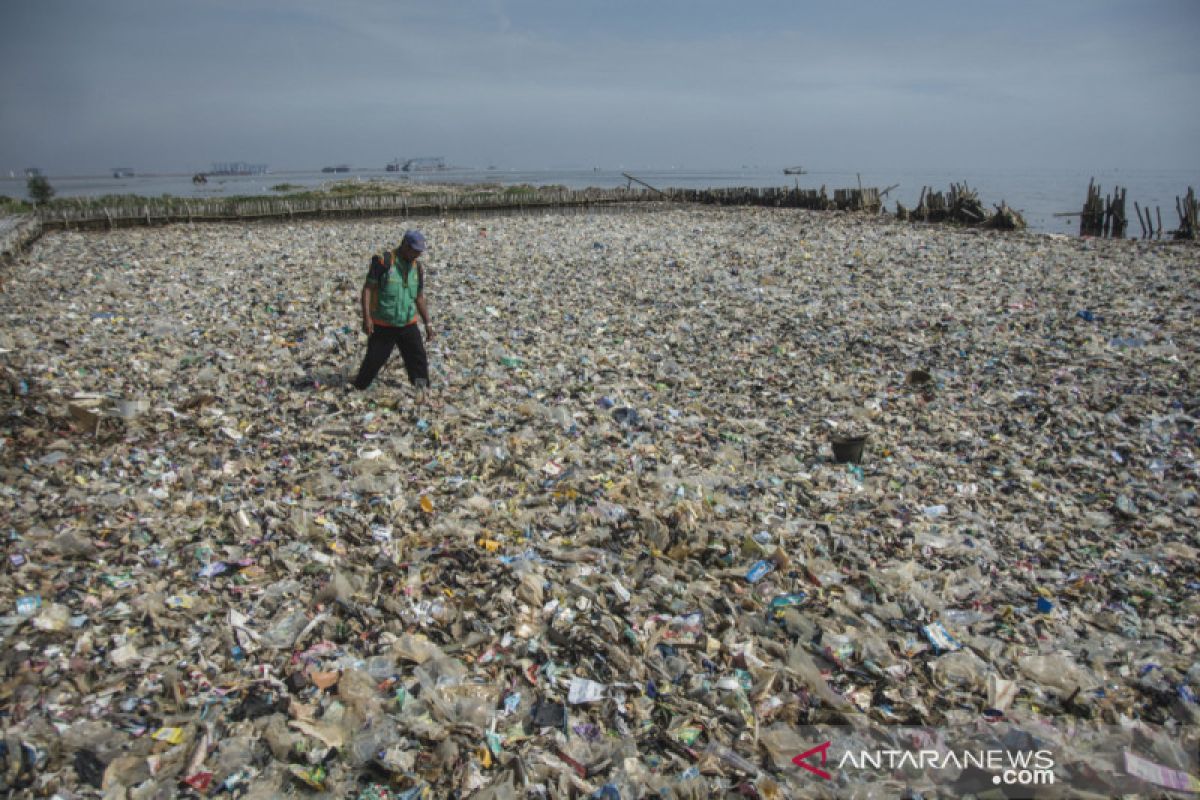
(617,556)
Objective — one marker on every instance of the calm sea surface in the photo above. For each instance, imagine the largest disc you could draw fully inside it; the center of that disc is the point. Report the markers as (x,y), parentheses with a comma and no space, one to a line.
(1038,194)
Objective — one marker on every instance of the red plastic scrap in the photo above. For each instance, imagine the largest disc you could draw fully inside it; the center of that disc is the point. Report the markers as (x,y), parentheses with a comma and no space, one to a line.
(200,781)
(580,769)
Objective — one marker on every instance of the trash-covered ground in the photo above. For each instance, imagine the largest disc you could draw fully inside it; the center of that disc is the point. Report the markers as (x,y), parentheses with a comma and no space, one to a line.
(618,557)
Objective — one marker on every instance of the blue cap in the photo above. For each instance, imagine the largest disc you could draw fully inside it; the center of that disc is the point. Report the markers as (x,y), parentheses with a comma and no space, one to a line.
(414,239)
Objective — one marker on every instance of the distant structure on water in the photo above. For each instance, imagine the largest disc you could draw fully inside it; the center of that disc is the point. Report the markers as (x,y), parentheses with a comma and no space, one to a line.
(122,172)
(426,164)
(794,171)
(237,168)
(33,172)
(338,168)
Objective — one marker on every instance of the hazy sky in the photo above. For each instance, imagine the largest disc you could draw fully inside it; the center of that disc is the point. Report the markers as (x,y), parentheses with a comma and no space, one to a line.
(169,85)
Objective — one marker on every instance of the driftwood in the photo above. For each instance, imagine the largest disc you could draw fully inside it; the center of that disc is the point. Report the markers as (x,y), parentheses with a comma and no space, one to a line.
(1005,219)
(960,205)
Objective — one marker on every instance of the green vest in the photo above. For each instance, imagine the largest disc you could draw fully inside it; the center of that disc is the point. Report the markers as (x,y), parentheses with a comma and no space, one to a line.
(397,303)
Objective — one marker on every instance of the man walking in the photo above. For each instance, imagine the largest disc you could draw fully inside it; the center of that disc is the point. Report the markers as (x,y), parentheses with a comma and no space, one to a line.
(393,298)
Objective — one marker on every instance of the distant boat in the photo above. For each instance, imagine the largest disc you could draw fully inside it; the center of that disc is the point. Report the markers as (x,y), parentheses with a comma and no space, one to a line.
(794,171)
(338,168)
(425,164)
(394,166)
(237,168)
(122,172)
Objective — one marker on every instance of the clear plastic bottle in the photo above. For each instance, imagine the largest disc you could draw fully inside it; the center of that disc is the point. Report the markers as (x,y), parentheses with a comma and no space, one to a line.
(381,667)
(370,743)
(282,634)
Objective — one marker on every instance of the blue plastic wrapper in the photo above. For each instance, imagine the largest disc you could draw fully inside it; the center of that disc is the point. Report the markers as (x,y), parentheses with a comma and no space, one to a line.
(758,571)
(212,570)
(785,601)
(940,638)
(29,605)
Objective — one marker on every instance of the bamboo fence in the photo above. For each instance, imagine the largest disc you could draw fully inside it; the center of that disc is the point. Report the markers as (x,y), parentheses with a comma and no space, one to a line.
(164,211)
(172,210)
(1100,216)
(16,233)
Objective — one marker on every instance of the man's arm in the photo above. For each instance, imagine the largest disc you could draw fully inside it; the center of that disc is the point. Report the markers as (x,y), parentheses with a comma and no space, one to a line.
(422,309)
(368,300)
(424,312)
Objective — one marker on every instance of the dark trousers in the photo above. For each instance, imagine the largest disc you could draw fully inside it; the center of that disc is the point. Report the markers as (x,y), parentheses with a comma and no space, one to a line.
(379,348)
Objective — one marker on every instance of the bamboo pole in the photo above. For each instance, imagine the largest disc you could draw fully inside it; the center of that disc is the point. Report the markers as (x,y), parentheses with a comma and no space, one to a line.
(1189,216)
(642,182)
(1120,221)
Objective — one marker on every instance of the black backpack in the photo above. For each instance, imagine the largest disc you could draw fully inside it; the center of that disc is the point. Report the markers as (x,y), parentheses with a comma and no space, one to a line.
(381,267)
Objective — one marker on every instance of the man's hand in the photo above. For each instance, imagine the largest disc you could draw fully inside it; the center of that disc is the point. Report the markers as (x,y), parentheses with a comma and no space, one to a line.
(428,332)
(368,326)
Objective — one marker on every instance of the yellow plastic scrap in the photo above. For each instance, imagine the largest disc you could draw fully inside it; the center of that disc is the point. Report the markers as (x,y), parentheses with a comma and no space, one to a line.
(313,777)
(253,572)
(171,736)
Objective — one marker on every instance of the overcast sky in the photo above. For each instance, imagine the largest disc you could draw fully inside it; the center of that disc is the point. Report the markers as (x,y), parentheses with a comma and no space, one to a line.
(169,85)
